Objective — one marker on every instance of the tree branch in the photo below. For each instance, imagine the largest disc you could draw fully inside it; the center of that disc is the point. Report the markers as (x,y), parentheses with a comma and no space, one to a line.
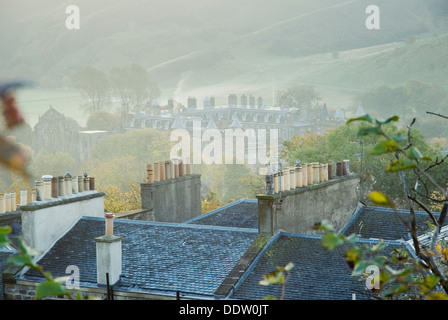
(437,114)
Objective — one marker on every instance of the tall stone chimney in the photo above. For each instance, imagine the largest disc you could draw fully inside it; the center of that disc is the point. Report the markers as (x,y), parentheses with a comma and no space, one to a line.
(296,205)
(174,198)
(108,254)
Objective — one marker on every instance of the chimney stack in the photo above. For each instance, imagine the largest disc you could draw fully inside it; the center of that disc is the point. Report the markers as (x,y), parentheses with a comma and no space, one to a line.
(2,203)
(7,202)
(68,183)
(23,197)
(80,184)
(108,254)
(304,175)
(61,186)
(75,188)
(39,190)
(91,183)
(299,177)
(13,202)
(54,187)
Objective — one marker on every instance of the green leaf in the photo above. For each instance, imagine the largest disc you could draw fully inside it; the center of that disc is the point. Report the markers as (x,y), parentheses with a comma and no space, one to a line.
(393,118)
(369,131)
(353,238)
(399,137)
(22,260)
(396,289)
(273,278)
(380,246)
(27,250)
(414,153)
(365,117)
(5,230)
(289,266)
(385,147)
(361,267)
(437,296)
(50,288)
(401,165)
(354,255)
(4,240)
(270,298)
(380,199)
(428,283)
(324,225)
(331,241)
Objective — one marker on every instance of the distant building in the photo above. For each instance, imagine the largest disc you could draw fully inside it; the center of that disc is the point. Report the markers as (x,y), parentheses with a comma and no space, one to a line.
(246,114)
(55,132)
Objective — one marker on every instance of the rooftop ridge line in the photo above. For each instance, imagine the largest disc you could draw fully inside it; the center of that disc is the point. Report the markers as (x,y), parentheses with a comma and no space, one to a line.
(177,225)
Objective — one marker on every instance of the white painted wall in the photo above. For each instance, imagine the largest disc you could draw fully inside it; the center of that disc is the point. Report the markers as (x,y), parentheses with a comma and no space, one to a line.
(42,227)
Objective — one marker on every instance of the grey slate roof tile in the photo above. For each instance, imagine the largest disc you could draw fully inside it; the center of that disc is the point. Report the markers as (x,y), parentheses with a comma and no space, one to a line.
(156,256)
(318,274)
(5,253)
(381,223)
(239,214)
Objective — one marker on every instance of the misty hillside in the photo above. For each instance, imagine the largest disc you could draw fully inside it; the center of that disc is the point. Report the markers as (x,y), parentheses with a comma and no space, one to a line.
(200,43)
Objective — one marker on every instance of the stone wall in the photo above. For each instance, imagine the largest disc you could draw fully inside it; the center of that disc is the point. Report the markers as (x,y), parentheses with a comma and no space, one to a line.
(299,209)
(174,200)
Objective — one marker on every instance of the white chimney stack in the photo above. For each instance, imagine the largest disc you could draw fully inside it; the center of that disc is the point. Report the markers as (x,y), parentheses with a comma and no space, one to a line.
(13,202)
(7,202)
(75,184)
(46,194)
(23,197)
(108,254)
(304,175)
(68,183)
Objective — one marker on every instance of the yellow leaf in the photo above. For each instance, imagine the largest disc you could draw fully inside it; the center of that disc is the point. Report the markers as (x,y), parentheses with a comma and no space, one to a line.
(439,248)
(437,296)
(380,199)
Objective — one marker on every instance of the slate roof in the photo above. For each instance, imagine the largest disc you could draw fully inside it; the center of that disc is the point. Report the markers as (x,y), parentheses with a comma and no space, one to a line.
(318,274)
(382,223)
(5,253)
(239,214)
(158,258)
(197,257)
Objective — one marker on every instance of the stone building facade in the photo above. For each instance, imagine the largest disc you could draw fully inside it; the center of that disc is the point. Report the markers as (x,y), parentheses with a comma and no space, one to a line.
(245,113)
(55,132)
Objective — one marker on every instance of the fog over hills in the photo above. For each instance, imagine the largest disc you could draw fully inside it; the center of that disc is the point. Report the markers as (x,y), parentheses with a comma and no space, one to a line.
(227,44)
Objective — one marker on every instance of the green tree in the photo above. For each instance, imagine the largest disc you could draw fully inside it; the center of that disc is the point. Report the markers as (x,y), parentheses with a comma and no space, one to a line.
(119,172)
(94,86)
(406,99)
(231,182)
(344,143)
(133,84)
(55,164)
(295,97)
(117,200)
(147,144)
(412,277)
(103,120)
(210,202)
